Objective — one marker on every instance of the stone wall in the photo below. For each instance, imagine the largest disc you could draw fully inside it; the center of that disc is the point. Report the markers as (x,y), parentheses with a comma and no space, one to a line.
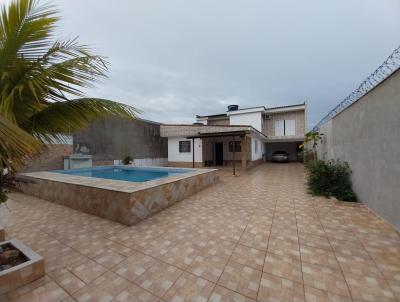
(121,201)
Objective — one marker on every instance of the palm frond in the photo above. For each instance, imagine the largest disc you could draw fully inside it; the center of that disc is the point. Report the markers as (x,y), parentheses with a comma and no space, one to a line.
(25,31)
(63,118)
(15,144)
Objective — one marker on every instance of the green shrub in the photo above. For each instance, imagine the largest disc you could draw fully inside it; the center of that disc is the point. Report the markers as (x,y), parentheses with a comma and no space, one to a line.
(331,178)
(127,160)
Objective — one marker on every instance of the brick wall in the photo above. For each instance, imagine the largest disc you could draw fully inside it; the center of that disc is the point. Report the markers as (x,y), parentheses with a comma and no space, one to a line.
(51,158)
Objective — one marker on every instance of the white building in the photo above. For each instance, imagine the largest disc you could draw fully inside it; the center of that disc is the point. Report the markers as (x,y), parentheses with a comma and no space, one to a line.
(244,137)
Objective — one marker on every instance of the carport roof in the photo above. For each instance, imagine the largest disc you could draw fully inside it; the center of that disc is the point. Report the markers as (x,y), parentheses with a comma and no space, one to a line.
(198,131)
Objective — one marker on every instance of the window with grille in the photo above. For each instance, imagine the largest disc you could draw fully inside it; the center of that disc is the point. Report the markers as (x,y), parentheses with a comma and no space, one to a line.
(184,146)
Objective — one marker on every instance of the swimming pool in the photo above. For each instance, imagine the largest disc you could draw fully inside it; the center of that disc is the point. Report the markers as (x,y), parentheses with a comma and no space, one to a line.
(134,174)
(124,194)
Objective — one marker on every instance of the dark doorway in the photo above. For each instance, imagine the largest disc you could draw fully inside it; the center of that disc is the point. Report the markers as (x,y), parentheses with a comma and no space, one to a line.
(219,154)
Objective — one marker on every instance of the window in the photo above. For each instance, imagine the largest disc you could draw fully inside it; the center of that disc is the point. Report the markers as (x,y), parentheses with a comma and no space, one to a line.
(280,128)
(290,127)
(184,146)
(255,146)
(285,127)
(237,146)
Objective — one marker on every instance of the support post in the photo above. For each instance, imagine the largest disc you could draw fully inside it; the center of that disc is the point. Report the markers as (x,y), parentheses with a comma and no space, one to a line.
(193,152)
(233,162)
(244,153)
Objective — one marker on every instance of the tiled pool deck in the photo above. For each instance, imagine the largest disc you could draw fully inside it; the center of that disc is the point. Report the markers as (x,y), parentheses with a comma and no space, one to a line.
(254,237)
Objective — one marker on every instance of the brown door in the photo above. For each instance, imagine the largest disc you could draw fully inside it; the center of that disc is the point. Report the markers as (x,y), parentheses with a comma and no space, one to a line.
(219,154)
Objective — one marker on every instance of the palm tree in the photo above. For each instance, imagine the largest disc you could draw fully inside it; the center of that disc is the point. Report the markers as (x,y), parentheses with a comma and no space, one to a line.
(41,82)
(315,137)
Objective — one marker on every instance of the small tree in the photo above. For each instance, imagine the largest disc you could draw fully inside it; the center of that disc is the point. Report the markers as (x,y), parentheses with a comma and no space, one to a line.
(315,137)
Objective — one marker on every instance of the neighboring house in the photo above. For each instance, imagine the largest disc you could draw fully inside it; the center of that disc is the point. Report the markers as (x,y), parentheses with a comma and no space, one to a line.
(115,138)
(244,136)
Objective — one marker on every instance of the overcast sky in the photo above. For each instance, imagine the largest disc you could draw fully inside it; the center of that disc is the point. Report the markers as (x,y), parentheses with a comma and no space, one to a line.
(174,59)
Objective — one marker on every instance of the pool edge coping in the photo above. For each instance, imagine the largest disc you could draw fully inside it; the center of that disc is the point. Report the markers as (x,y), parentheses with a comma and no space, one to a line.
(115,185)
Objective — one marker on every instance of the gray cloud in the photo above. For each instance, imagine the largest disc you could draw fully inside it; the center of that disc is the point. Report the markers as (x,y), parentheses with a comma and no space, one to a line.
(174,59)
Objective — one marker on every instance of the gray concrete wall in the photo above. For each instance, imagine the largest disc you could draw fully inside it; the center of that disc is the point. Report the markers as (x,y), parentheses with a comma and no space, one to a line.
(367,135)
(116,138)
(289,147)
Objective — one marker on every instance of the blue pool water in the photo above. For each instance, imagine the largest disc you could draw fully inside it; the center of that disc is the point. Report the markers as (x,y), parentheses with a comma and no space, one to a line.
(134,174)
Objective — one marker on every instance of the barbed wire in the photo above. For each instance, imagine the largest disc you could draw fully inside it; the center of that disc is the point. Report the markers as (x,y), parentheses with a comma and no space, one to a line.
(388,67)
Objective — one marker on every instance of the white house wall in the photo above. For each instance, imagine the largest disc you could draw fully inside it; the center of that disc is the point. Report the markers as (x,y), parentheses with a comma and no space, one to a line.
(251,119)
(260,150)
(175,156)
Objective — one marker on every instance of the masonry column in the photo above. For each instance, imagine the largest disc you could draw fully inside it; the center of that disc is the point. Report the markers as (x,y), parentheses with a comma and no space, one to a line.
(244,152)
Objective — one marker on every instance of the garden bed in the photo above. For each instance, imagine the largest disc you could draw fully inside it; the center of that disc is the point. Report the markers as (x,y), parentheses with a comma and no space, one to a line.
(22,268)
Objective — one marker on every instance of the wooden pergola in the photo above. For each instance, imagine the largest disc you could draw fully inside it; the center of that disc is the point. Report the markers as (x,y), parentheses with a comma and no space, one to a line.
(233,134)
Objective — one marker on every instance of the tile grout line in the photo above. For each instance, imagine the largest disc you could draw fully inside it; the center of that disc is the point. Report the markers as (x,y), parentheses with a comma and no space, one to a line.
(236,244)
(301,258)
(266,251)
(380,271)
(341,270)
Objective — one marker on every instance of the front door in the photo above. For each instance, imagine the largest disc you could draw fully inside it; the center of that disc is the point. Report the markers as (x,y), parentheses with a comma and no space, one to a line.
(219,154)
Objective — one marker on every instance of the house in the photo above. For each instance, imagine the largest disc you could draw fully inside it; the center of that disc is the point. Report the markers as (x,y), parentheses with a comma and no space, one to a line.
(114,138)
(240,136)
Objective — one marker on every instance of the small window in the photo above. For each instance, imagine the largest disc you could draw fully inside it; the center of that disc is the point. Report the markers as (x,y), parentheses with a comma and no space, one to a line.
(256,146)
(184,146)
(237,146)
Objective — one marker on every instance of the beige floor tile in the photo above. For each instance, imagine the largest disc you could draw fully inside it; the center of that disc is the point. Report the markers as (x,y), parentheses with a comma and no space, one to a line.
(207,266)
(181,255)
(88,271)
(69,282)
(284,248)
(248,256)
(133,293)
(159,278)
(109,259)
(254,240)
(317,295)
(311,240)
(220,248)
(77,246)
(240,278)
(105,288)
(50,292)
(29,287)
(325,278)
(363,266)
(369,288)
(318,256)
(273,288)
(134,266)
(222,294)
(285,267)
(189,288)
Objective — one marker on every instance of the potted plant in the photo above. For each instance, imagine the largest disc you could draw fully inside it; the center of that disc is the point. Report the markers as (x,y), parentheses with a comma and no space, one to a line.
(127,160)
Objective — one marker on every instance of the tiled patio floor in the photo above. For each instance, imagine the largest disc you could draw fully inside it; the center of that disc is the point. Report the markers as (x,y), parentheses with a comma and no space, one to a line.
(254,237)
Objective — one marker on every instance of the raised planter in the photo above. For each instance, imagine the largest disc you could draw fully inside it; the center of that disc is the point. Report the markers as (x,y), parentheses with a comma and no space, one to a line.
(30,268)
(353,204)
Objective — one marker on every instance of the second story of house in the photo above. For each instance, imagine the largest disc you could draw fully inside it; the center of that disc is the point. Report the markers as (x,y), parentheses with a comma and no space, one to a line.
(277,123)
